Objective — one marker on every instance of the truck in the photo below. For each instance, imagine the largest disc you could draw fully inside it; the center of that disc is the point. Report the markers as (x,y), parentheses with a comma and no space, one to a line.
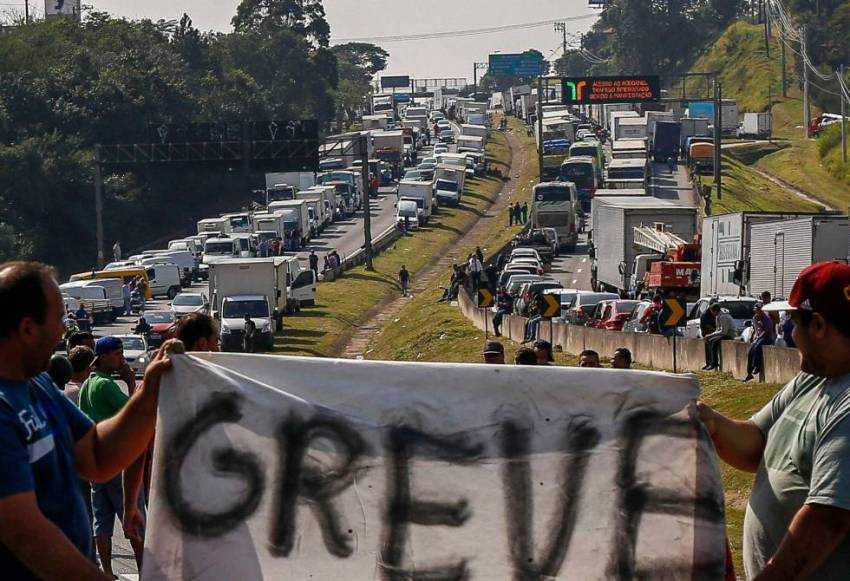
(691,127)
(316,210)
(297,217)
(664,140)
(389,147)
(628,149)
(779,251)
(351,176)
(300,180)
(471,143)
(279,193)
(701,157)
(603,113)
(613,246)
(270,222)
(371,122)
(615,114)
(420,192)
(476,130)
(726,250)
(330,201)
(629,128)
(214,226)
(92,296)
(652,117)
(240,222)
(384,105)
(448,184)
(626,174)
(671,267)
(705,110)
(756,125)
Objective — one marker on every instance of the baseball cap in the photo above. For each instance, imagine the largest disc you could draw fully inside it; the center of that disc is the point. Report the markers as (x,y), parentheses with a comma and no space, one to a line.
(493,348)
(823,288)
(106,345)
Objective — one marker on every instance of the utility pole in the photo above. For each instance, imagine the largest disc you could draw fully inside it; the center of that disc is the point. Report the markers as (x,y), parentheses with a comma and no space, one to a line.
(767,31)
(562,27)
(367,205)
(540,124)
(807,114)
(98,206)
(843,118)
(718,121)
(782,60)
(475,68)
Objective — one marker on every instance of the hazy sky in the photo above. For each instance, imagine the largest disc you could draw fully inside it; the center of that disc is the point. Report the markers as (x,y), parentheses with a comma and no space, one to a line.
(446,57)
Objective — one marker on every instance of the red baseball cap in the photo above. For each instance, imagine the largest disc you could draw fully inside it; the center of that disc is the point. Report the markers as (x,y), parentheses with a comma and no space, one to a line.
(823,288)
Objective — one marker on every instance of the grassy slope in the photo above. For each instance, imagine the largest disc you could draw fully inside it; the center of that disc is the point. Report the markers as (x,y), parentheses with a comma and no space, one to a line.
(345,303)
(746,73)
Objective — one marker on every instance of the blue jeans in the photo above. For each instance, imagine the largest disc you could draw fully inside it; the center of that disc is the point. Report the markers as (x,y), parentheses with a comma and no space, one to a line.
(755,357)
(107,499)
(531,328)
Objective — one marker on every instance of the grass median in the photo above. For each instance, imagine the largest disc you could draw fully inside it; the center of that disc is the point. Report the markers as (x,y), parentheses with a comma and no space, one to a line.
(346,303)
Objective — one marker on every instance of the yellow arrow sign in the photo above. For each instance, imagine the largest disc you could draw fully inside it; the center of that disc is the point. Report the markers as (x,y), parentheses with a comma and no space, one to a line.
(485,298)
(553,306)
(674,312)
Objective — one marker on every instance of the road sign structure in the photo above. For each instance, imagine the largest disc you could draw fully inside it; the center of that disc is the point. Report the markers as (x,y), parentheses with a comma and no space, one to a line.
(591,90)
(553,306)
(395,82)
(527,64)
(485,298)
(673,313)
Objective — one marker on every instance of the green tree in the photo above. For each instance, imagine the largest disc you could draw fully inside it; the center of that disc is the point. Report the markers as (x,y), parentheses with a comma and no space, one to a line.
(303,17)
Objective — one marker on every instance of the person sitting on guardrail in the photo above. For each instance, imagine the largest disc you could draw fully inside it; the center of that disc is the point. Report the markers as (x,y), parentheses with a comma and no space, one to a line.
(764,334)
(724,330)
(589,358)
(622,359)
(535,312)
(504,306)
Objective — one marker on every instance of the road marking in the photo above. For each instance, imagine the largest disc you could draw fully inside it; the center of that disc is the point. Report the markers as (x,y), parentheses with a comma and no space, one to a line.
(583,260)
(579,271)
(575,280)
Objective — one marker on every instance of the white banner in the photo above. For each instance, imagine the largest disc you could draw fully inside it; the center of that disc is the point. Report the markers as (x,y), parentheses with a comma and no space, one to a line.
(66,7)
(293,468)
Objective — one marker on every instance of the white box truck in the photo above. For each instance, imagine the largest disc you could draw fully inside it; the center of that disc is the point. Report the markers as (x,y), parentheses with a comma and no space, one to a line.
(756,125)
(448,184)
(470,143)
(614,221)
(374,122)
(419,192)
(605,111)
(615,114)
(629,128)
(780,251)
(297,216)
(300,180)
(214,226)
(476,130)
(316,210)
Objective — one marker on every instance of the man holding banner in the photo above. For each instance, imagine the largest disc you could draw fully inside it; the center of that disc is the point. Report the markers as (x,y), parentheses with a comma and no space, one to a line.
(47,443)
(798,514)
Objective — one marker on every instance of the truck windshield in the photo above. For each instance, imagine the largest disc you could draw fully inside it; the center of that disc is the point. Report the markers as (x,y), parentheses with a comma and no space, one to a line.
(552,194)
(446,186)
(407,209)
(218,248)
(626,173)
(580,173)
(238,309)
(419,202)
(280,194)
(584,150)
(239,222)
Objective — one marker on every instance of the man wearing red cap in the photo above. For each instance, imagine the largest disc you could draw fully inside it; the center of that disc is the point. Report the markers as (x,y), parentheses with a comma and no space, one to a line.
(798,514)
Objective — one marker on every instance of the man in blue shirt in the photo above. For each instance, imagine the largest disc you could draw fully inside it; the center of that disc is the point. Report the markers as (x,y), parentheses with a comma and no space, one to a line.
(46,442)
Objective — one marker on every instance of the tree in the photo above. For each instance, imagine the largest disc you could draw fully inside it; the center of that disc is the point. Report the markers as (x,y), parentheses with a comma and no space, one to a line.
(358,63)
(304,17)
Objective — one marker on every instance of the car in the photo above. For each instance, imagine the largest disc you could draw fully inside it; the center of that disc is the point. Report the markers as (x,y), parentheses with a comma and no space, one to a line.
(742,310)
(509,272)
(611,314)
(436,116)
(583,304)
(440,148)
(524,252)
(582,133)
(552,237)
(633,323)
(530,291)
(525,262)
(515,282)
(424,166)
(413,175)
(447,136)
(432,160)
(566,296)
(186,303)
(162,326)
(135,352)
(444,124)
(523,268)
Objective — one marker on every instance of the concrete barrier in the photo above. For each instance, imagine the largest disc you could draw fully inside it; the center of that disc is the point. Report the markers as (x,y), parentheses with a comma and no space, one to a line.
(733,358)
(781,364)
(690,354)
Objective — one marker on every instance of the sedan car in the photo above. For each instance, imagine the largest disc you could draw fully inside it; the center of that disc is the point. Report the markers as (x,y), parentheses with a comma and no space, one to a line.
(412,175)
(162,326)
(447,136)
(583,305)
(612,314)
(186,303)
(135,352)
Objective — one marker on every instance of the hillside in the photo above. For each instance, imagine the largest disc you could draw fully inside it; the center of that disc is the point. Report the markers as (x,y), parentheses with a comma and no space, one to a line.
(753,80)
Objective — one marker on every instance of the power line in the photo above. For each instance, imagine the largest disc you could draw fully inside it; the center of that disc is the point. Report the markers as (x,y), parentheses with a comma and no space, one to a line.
(462,33)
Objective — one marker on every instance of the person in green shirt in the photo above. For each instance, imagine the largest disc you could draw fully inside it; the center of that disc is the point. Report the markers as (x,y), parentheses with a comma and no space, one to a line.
(101,398)
(798,445)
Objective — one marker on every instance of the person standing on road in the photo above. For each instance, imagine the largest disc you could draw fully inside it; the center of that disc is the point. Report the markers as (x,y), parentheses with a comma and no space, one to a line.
(314,262)
(44,528)
(101,399)
(249,335)
(116,251)
(724,331)
(524,212)
(404,280)
(511,215)
(798,445)
(479,254)
(263,248)
(127,295)
(517,214)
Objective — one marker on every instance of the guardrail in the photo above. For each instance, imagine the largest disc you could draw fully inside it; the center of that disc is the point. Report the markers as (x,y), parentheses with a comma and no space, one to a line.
(780,363)
(381,242)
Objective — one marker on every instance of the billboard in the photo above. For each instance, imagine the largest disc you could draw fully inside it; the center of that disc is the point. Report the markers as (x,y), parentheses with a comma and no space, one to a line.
(527,64)
(397,82)
(63,7)
(588,90)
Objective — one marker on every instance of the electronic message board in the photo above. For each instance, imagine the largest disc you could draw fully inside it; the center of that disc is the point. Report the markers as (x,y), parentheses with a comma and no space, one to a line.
(589,90)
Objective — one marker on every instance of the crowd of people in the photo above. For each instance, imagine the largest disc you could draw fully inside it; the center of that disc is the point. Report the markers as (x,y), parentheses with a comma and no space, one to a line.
(74,446)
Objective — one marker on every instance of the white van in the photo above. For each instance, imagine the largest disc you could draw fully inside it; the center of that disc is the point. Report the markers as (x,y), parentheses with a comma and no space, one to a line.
(181,258)
(93,297)
(113,289)
(164,280)
(220,247)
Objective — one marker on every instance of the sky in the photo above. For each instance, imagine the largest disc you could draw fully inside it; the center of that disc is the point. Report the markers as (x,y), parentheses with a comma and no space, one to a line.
(433,58)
